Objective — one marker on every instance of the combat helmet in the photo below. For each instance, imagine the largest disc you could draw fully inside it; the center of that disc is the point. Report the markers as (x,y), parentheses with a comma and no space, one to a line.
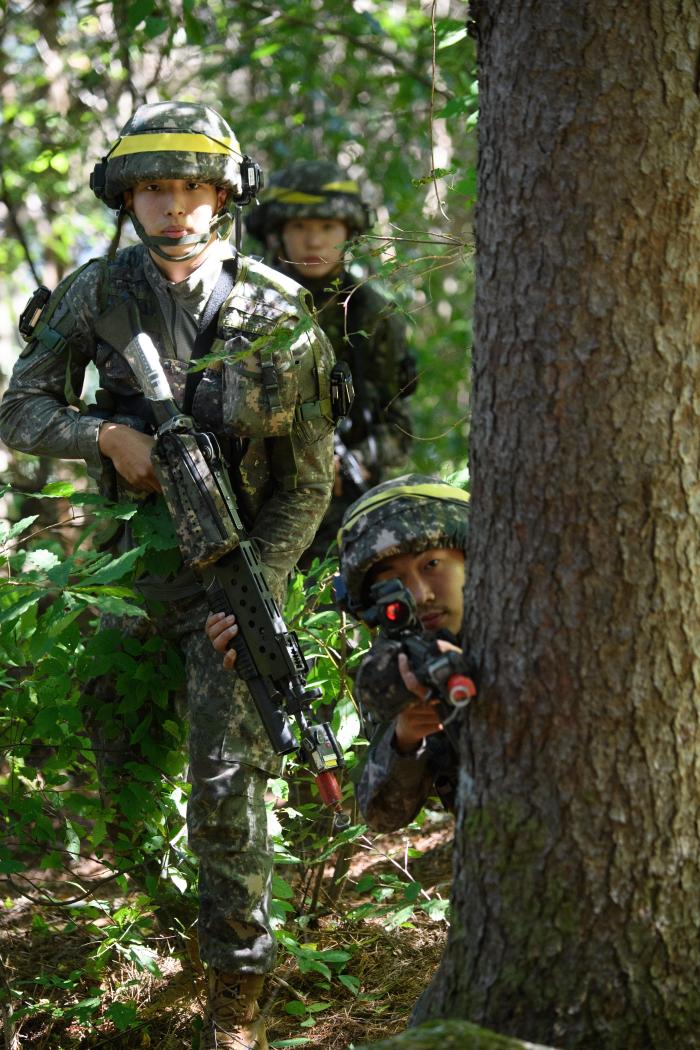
(177,140)
(406,515)
(309,189)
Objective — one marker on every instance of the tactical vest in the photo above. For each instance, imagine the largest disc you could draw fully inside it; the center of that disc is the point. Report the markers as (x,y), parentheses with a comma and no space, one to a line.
(254,393)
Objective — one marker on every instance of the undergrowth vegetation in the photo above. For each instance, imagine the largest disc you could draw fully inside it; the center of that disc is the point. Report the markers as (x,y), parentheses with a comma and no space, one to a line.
(97,871)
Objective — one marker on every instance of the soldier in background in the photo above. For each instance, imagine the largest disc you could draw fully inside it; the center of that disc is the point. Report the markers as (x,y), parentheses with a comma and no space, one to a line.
(175,171)
(307,215)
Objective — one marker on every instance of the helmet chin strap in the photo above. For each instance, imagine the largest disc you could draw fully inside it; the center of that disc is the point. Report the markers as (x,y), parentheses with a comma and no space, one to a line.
(220,226)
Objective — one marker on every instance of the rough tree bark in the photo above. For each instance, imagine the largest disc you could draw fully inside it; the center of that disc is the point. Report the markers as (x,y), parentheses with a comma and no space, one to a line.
(577,883)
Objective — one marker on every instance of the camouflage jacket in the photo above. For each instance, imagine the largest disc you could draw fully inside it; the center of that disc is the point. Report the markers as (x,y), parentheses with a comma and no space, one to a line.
(365,331)
(392,788)
(280,421)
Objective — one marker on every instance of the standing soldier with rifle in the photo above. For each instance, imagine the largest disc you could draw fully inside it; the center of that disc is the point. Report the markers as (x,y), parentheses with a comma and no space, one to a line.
(308,213)
(176,171)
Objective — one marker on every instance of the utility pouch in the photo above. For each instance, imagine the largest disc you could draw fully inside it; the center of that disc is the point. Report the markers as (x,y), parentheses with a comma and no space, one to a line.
(198,495)
(259,390)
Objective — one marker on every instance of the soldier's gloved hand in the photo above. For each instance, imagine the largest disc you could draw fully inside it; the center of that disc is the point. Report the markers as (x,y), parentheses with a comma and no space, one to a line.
(130,451)
(220,629)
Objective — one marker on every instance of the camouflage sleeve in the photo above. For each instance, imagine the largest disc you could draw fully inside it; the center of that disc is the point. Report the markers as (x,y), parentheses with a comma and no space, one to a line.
(390,788)
(35,414)
(288,521)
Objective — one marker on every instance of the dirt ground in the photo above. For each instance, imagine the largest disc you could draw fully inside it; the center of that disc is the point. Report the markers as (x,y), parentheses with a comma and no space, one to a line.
(390,965)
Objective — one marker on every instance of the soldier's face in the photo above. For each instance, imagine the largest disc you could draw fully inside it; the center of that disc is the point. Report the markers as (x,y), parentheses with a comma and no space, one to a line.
(435,578)
(314,246)
(174,208)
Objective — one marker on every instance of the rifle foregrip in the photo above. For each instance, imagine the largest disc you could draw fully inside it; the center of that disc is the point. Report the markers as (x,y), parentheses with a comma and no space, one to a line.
(264,694)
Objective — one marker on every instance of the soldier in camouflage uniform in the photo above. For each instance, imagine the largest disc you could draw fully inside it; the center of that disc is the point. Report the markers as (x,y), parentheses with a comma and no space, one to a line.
(413,528)
(307,214)
(176,170)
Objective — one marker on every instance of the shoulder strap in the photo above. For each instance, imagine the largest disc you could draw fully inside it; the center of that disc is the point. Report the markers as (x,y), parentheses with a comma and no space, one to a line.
(55,339)
(208,325)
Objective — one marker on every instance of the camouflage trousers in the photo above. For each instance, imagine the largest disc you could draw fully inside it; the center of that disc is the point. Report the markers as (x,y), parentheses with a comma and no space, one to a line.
(230,759)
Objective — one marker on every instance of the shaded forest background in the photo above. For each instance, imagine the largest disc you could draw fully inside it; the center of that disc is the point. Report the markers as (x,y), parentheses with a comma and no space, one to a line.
(388,90)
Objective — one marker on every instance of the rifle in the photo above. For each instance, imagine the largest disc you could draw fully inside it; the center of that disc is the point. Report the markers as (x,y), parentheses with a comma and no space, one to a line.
(213,541)
(350,468)
(446,674)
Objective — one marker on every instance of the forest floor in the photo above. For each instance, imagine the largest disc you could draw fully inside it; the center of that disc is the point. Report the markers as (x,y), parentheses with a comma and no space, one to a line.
(49,962)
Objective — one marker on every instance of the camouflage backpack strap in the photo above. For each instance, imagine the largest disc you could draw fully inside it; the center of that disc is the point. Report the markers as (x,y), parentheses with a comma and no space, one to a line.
(39,329)
(209,325)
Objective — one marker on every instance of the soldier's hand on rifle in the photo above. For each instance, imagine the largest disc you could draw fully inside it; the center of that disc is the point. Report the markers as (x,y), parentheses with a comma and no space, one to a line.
(130,451)
(420,719)
(220,629)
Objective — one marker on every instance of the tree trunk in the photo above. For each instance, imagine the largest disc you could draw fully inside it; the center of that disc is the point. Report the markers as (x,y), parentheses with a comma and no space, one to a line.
(576,901)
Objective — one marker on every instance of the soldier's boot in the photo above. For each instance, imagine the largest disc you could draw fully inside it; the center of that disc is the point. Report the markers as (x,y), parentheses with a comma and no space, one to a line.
(231,1019)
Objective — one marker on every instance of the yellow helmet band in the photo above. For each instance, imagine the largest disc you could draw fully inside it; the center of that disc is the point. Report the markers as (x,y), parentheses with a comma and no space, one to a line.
(442,492)
(160,142)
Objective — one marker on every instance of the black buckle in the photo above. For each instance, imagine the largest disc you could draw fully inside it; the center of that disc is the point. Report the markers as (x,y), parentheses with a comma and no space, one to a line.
(342,390)
(31,315)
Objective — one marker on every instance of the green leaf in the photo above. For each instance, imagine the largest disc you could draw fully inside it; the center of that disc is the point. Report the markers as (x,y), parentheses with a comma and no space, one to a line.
(122,1014)
(193,28)
(117,568)
(154,27)
(16,610)
(313,966)
(457,106)
(266,49)
(19,526)
(281,889)
(350,982)
(436,909)
(117,606)
(145,958)
(453,38)
(295,1008)
(335,955)
(10,867)
(58,490)
(398,918)
(138,11)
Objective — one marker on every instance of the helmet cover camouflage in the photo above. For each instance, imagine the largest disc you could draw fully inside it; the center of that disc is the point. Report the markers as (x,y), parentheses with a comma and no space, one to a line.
(170,140)
(309,189)
(406,515)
